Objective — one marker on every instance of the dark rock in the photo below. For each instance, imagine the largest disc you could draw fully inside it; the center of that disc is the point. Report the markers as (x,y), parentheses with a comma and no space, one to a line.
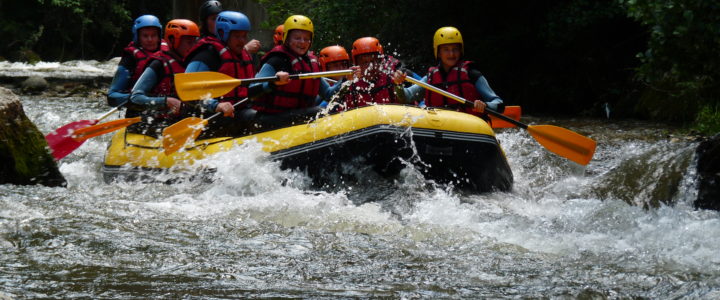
(34,84)
(23,149)
(708,168)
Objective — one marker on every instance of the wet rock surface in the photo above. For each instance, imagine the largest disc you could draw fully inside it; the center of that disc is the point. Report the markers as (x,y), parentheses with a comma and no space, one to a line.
(23,149)
(708,169)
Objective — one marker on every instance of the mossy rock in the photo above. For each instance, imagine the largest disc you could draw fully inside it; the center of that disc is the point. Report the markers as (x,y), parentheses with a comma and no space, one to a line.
(23,149)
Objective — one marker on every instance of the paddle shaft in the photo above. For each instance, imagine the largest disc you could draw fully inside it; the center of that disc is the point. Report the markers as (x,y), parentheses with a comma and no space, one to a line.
(466,102)
(249,81)
(220,113)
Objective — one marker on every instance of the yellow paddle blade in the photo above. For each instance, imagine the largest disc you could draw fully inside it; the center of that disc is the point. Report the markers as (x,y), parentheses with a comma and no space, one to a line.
(103,128)
(203,85)
(177,135)
(564,142)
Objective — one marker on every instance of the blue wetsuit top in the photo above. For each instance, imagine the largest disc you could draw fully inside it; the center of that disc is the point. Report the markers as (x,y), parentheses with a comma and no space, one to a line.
(120,85)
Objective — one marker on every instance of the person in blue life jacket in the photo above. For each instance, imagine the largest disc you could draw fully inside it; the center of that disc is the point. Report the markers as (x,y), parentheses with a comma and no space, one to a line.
(155,91)
(225,52)
(287,102)
(147,32)
(455,75)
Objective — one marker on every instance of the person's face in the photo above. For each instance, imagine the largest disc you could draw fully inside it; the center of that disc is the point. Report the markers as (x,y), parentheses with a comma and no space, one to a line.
(336,65)
(299,41)
(149,38)
(449,54)
(237,40)
(186,43)
(364,60)
(210,21)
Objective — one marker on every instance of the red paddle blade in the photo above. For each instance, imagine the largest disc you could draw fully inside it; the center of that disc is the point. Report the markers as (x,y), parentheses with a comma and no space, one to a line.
(513,112)
(61,141)
(103,128)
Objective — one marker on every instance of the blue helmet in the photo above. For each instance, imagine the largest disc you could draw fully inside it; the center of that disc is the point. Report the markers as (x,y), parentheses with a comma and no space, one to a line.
(228,21)
(145,21)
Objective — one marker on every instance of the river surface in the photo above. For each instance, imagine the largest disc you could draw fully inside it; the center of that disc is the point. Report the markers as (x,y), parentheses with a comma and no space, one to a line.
(621,227)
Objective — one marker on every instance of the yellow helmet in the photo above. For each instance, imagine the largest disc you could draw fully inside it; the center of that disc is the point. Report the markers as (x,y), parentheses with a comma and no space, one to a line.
(297,22)
(447,35)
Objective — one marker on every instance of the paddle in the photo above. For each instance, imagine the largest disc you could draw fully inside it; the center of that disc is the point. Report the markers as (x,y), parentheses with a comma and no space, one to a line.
(512,112)
(205,85)
(66,139)
(558,140)
(177,135)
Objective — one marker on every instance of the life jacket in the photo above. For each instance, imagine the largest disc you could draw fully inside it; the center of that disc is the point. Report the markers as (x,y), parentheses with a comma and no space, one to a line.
(171,65)
(297,93)
(142,58)
(457,82)
(363,92)
(231,64)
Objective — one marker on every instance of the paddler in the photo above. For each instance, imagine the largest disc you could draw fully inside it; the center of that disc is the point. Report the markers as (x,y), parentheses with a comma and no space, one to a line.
(146,41)
(286,101)
(208,13)
(155,90)
(278,35)
(334,58)
(227,54)
(455,75)
(372,83)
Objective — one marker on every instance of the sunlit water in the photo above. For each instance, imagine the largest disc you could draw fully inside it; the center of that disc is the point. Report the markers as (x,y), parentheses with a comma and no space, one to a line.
(621,227)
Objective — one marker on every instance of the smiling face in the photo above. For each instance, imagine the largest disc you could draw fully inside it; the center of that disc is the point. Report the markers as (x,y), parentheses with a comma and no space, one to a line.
(237,40)
(299,41)
(149,38)
(449,55)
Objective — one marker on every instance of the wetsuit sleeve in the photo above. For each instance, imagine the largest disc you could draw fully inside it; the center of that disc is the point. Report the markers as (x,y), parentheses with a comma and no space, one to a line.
(411,94)
(327,91)
(147,81)
(267,70)
(492,100)
(118,93)
(206,60)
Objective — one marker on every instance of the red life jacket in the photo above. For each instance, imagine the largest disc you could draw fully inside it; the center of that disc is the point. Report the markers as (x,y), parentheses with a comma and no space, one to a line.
(142,58)
(457,82)
(231,64)
(297,93)
(171,66)
(362,92)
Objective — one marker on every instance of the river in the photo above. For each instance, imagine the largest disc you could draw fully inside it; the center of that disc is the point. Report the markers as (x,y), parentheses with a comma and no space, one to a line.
(621,227)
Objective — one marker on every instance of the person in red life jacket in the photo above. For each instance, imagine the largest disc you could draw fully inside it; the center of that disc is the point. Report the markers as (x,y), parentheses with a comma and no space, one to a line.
(208,14)
(146,41)
(455,75)
(285,102)
(278,35)
(226,54)
(373,69)
(155,89)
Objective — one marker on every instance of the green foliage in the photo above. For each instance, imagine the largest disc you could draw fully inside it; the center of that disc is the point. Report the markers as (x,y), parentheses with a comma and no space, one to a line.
(57,30)
(708,120)
(682,52)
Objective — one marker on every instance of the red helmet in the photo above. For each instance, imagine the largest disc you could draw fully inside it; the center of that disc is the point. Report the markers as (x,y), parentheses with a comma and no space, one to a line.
(178,28)
(332,54)
(366,45)
(278,35)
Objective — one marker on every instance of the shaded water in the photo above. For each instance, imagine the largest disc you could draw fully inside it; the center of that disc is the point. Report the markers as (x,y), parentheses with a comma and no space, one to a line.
(621,227)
